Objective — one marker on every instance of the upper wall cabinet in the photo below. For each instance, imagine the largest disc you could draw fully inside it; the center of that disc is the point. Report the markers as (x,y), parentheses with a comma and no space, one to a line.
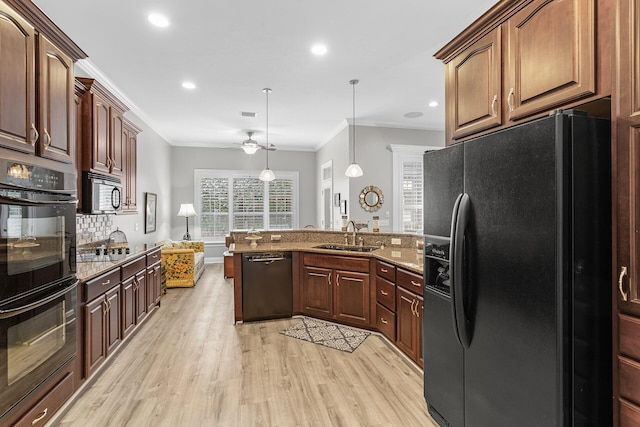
(129,179)
(523,59)
(36,84)
(103,140)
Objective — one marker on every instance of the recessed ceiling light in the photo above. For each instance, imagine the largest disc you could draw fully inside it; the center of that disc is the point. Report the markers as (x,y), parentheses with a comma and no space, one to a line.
(413,115)
(188,85)
(158,20)
(319,49)
(433,104)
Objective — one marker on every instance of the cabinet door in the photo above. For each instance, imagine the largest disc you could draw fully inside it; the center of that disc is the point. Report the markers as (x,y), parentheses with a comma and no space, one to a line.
(627,238)
(405,322)
(118,142)
(101,135)
(551,57)
(473,84)
(128,307)
(132,170)
(153,286)
(56,105)
(95,350)
(157,283)
(352,299)
(113,319)
(141,296)
(17,85)
(317,291)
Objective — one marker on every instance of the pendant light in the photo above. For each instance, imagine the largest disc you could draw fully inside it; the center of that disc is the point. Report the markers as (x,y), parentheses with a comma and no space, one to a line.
(267,174)
(354,170)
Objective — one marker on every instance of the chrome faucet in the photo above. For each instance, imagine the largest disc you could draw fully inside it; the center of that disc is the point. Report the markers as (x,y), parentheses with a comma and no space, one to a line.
(353,236)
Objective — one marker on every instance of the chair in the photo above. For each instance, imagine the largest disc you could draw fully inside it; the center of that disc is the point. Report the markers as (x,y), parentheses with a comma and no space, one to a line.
(183,262)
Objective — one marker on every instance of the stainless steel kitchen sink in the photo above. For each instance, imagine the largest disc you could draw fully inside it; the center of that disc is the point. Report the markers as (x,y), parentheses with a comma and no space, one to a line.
(350,248)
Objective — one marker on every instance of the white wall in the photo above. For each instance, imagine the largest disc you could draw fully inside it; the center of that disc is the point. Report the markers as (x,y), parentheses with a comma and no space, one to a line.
(376,161)
(337,150)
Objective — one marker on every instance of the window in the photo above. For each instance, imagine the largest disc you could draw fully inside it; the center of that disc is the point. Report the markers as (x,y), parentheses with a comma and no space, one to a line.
(237,200)
(407,187)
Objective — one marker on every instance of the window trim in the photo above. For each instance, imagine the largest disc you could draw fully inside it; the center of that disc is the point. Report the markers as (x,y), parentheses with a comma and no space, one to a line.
(400,153)
(198,174)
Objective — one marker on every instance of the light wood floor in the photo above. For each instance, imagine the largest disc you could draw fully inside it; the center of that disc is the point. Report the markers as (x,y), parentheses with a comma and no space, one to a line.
(189,365)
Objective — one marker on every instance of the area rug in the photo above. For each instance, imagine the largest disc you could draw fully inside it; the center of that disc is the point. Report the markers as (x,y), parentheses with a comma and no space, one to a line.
(327,334)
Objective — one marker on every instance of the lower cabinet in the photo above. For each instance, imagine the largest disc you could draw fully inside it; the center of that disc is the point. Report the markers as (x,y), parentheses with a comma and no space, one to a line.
(336,288)
(409,323)
(102,328)
(154,283)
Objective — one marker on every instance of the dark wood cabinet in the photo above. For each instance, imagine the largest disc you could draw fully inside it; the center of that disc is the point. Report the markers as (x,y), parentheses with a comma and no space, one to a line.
(103,142)
(317,291)
(129,178)
(154,283)
(128,306)
(409,323)
(17,87)
(337,288)
(626,261)
(523,59)
(552,55)
(102,329)
(56,103)
(473,82)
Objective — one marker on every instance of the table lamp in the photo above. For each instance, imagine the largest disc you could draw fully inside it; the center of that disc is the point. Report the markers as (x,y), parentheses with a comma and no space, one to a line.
(187,210)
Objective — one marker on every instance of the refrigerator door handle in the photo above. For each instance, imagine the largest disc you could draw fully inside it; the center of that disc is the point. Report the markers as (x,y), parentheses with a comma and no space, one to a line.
(463,326)
(452,265)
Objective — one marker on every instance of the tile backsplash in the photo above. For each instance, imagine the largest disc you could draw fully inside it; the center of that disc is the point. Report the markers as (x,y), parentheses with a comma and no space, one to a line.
(92,228)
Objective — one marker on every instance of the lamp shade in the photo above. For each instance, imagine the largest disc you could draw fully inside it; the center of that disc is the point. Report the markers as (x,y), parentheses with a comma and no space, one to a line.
(267,175)
(186,209)
(250,148)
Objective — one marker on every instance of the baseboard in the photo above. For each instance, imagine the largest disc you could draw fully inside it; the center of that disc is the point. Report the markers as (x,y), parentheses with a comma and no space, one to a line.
(214,260)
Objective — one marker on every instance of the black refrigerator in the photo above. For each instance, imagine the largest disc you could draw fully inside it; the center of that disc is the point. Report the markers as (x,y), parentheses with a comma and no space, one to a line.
(517,296)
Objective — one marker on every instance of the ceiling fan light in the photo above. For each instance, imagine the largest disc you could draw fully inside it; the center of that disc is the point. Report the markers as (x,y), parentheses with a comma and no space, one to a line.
(267,175)
(250,148)
(354,170)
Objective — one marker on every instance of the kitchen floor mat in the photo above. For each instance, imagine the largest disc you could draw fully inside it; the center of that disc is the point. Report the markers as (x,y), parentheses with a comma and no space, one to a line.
(327,334)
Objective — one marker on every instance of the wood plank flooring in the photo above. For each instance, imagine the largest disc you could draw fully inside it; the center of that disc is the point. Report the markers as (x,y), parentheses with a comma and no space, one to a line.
(189,365)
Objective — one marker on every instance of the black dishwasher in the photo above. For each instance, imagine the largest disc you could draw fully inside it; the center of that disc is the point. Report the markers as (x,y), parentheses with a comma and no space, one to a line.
(267,287)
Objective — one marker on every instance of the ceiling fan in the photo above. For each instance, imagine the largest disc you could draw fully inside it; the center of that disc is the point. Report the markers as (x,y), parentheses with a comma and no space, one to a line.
(250,146)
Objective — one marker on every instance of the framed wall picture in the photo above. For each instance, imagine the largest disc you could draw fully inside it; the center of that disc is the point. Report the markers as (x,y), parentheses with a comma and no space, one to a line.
(343,207)
(150,204)
(336,200)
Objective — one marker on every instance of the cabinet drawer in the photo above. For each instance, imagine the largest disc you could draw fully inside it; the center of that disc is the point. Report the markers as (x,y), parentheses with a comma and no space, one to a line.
(49,404)
(629,380)
(386,322)
(101,284)
(410,281)
(386,293)
(337,262)
(629,414)
(132,267)
(388,271)
(153,257)
(630,336)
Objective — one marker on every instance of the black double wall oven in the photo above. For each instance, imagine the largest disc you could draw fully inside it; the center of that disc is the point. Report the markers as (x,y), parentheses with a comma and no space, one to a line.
(38,307)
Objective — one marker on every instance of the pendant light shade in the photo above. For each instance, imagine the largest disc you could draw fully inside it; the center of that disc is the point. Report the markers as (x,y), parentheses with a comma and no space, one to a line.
(267,174)
(354,170)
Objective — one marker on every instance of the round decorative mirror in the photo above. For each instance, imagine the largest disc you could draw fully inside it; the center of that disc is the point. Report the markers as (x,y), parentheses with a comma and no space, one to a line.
(371,198)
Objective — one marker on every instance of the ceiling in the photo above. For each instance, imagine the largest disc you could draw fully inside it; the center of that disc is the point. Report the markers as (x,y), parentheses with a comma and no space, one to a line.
(232,49)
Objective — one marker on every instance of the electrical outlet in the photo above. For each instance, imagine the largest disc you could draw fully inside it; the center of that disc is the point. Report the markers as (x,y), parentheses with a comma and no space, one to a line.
(396,241)
(276,237)
(135,227)
(387,214)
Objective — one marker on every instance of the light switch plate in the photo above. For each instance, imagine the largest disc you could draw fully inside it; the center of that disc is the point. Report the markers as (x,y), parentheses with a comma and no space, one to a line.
(396,241)
(276,237)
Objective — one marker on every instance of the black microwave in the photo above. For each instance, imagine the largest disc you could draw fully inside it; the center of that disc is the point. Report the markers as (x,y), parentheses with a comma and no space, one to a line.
(101,194)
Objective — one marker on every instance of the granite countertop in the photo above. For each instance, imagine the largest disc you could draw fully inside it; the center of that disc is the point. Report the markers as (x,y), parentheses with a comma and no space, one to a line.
(406,258)
(90,269)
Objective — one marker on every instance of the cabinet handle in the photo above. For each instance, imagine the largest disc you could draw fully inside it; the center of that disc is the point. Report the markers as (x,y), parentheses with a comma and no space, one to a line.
(40,416)
(35,133)
(329,279)
(105,308)
(47,140)
(493,106)
(383,321)
(384,270)
(106,283)
(384,293)
(108,162)
(337,279)
(510,98)
(416,284)
(623,272)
